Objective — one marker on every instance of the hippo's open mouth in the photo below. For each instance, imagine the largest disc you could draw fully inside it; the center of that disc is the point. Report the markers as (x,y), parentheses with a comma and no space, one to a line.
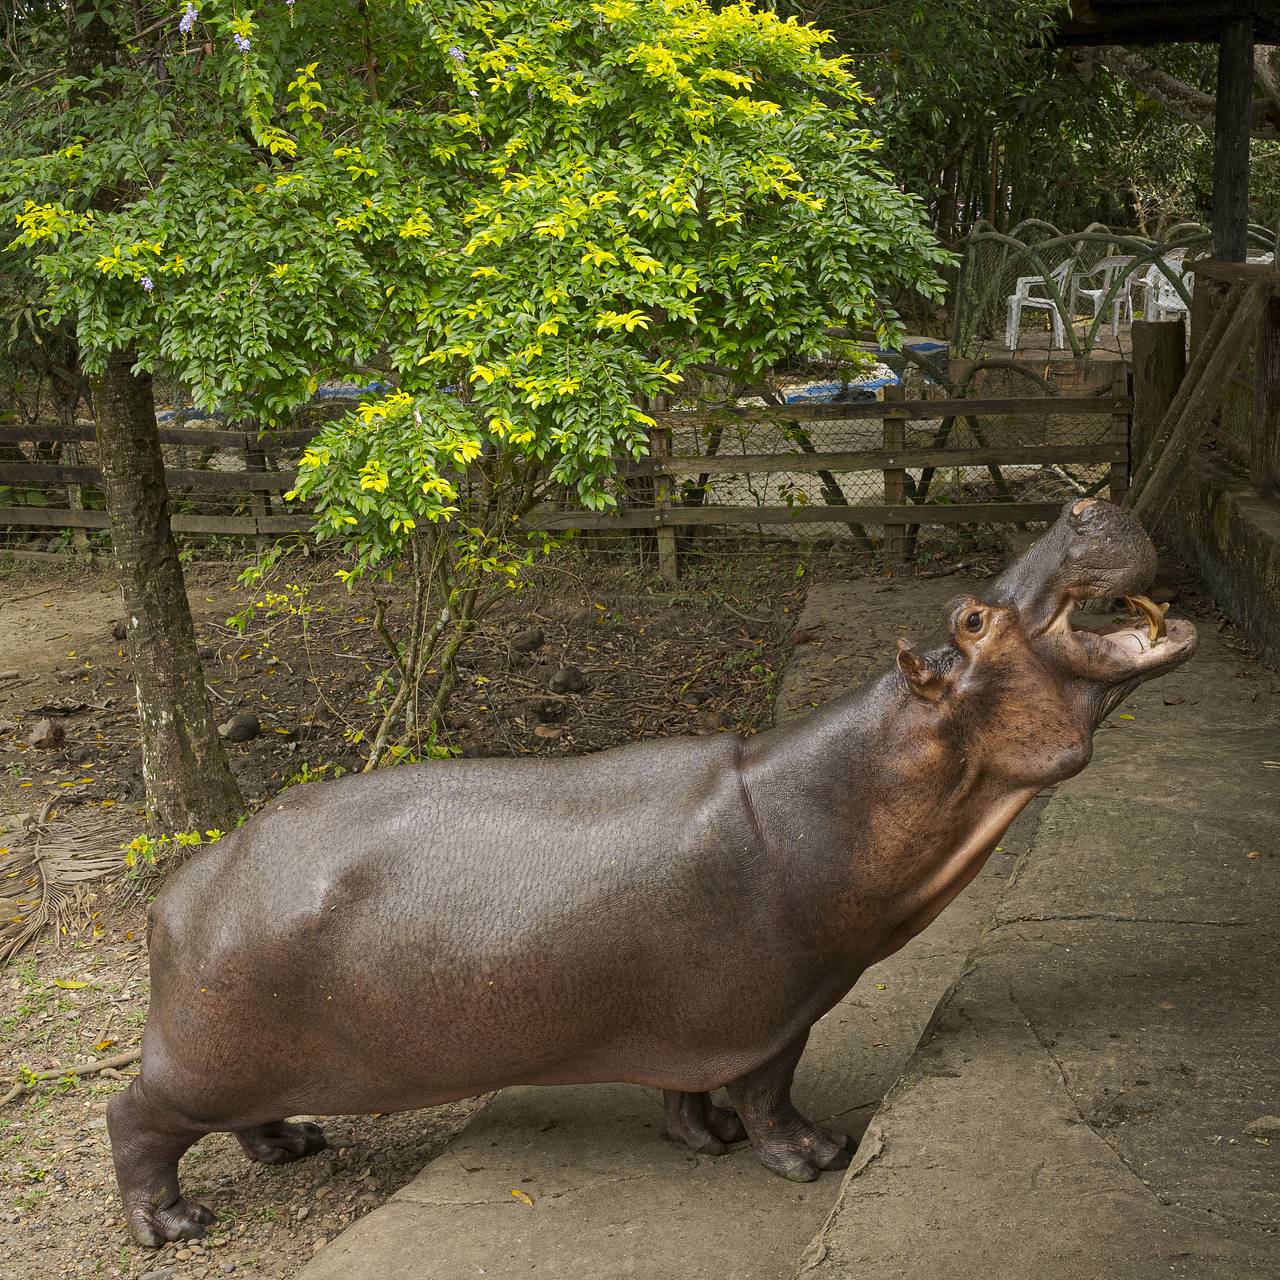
(1125,650)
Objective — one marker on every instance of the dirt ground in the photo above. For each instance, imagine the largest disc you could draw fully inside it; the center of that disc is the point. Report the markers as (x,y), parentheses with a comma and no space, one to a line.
(700,659)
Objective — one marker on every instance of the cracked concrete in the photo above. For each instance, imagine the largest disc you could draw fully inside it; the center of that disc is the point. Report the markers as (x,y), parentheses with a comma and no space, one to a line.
(610,1197)
(1080,1106)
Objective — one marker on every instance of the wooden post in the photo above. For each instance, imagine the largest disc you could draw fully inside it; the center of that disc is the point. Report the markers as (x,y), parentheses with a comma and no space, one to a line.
(668,557)
(75,494)
(1159,365)
(1264,454)
(1231,121)
(1121,385)
(895,478)
(255,459)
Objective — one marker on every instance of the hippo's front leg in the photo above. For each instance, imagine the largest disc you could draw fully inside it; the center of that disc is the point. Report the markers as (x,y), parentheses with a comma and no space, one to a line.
(786,1143)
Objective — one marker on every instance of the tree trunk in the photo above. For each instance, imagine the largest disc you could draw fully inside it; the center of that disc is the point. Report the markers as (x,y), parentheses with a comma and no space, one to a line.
(189,782)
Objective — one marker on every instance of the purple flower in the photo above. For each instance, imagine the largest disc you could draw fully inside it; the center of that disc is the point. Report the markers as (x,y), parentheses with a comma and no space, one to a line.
(456,54)
(147,283)
(241,43)
(189,16)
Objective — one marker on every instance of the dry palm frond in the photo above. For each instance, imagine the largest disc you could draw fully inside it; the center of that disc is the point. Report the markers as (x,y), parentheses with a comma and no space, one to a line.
(45,874)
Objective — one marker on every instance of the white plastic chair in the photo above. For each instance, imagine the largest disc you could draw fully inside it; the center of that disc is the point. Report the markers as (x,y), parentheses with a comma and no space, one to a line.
(1160,299)
(1032,293)
(1103,274)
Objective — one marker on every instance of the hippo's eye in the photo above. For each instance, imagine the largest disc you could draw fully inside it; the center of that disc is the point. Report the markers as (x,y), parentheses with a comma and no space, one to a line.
(974,621)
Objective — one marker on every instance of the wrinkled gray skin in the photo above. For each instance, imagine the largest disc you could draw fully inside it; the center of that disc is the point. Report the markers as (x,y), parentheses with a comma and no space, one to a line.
(677,913)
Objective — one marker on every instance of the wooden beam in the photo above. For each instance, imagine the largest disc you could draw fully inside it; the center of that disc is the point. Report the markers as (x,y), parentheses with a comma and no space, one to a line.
(1233,272)
(223,481)
(895,478)
(1231,123)
(1031,455)
(813,513)
(1121,431)
(1264,454)
(1222,358)
(237,440)
(61,518)
(912,410)
(1159,366)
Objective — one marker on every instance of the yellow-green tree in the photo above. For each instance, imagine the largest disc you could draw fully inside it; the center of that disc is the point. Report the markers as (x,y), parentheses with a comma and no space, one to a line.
(522,218)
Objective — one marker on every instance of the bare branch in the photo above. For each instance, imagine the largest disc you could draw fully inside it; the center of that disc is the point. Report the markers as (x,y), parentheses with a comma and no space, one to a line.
(1184,100)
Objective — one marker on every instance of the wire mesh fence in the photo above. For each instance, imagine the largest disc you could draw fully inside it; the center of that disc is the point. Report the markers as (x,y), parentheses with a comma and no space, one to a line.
(872,475)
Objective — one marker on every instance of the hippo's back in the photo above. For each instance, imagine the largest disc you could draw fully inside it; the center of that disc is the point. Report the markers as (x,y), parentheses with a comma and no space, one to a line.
(482,921)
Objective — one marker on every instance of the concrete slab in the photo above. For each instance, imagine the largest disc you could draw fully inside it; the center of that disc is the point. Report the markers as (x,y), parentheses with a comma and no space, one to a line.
(610,1197)
(1080,1108)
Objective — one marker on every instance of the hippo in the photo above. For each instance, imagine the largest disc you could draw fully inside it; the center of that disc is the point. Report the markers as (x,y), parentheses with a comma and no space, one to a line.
(675,913)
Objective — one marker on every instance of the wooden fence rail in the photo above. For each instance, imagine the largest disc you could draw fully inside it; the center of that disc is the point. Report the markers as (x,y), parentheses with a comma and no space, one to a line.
(896,460)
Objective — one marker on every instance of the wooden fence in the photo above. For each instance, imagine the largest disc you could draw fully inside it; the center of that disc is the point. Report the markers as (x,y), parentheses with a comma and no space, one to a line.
(257,480)
(691,449)
(1247,421)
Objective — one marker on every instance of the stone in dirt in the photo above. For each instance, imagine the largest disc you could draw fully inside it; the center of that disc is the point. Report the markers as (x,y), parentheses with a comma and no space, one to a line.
(162,1273)
(241,727)
(567,680)
(46,735)
(528,641)
(586,616)
(1263,1127)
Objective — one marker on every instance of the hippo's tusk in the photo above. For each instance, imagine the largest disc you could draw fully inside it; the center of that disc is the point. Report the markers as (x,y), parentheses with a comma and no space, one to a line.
(1154,614)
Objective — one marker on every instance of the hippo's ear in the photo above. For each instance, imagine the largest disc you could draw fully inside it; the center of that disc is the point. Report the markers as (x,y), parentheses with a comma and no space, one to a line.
(919,673)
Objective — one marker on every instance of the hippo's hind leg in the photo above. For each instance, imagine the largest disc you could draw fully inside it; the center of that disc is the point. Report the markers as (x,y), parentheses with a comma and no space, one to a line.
(281,1141)
(692,1118)
(147,1141)
(786,1143)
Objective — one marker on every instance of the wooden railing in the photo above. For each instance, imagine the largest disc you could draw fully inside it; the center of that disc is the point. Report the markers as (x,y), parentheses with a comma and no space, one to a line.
(901,472)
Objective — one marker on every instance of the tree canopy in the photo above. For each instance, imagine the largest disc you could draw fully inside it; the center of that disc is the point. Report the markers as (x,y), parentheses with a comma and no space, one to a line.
(553,207)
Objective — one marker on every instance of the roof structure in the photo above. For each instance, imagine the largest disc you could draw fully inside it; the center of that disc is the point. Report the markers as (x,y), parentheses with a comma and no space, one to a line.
(1134,22)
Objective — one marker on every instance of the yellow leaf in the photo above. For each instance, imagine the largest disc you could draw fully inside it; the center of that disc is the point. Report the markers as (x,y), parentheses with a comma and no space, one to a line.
(103,1044)
(69,984)
(523,1196)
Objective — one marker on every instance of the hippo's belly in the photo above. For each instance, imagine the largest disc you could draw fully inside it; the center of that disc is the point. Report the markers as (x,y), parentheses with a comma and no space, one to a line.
(421,935)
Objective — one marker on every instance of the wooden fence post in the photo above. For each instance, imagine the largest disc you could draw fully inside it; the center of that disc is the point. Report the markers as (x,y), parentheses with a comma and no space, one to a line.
(1264,453)
(660,449)
(255,459)
(895,478)
(1159,365)
(75,494)
(1121,428)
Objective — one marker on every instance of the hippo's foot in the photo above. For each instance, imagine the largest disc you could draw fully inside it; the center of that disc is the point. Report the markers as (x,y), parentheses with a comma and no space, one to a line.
(803,1150)
(281,1141)
(182,1220)
(147,1140)
(692,1118)
(785,1142)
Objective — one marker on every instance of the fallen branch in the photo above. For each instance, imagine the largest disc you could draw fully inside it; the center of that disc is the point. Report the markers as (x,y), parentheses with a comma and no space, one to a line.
(20,1087)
